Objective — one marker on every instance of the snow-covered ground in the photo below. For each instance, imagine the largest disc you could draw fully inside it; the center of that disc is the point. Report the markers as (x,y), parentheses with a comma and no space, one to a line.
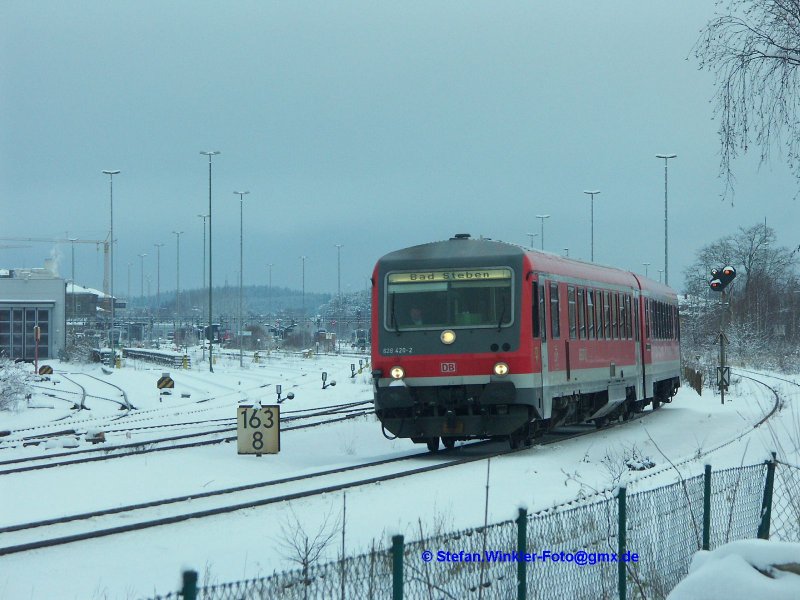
(692,431)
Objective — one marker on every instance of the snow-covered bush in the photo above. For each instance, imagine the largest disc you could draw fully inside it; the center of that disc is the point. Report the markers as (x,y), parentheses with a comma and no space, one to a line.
(15,384)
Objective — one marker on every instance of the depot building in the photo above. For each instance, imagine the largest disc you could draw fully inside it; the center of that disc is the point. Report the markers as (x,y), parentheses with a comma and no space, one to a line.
(31,298)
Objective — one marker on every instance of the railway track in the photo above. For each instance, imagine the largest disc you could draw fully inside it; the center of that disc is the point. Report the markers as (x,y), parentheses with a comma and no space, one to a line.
(23,537)
(676,464)
(223,433)
(134,517)
(48,429)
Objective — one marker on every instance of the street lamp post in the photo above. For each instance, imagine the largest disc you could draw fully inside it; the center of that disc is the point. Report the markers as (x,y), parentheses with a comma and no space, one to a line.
(74,309)
(542,218)
(178,276)
(141,257)
(666,158)
(111,174)
(210,286)
(204,217)
(158,279)
(532,235)
(130,264)
(592,193)
(241,269)
(646,265)
(303,303)
(338,288)
(269,294)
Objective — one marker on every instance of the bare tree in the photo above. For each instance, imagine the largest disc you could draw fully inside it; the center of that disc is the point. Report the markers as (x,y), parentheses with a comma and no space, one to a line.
(15,384)
(753,47)
(306,548)
(762,298)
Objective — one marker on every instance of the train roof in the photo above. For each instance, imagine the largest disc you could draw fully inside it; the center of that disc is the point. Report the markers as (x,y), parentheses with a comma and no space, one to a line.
(456,247)
(463,247)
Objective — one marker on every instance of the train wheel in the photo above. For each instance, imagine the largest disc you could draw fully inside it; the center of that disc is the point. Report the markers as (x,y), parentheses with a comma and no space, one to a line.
(516,438)
(449,443)
(656,404)
(433,444)
(601,422)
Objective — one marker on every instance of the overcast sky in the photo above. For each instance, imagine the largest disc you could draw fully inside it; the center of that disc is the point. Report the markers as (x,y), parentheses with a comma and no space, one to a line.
(376,125)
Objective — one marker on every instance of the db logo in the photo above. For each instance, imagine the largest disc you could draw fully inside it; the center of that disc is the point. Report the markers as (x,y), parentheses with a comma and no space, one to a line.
(449,367)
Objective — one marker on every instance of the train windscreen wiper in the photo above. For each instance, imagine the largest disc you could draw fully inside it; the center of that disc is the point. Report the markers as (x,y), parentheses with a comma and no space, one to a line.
(502,314)
(393,315)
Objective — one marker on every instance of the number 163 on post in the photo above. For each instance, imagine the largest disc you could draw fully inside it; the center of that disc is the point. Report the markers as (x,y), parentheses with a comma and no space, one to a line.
(258,429)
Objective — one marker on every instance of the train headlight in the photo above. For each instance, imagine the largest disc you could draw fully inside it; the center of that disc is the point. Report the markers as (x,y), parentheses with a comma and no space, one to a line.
(448,336)
(397,372)
(501,368)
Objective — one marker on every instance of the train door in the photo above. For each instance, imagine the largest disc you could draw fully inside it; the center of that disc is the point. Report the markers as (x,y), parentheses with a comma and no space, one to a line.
(637,344)
(647,352)
(541,299)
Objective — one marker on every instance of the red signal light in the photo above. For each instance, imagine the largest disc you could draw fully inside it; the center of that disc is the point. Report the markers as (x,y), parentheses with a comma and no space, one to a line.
(721,278)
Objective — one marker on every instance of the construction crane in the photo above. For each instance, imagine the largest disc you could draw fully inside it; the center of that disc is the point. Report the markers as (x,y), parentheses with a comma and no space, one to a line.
(105,242)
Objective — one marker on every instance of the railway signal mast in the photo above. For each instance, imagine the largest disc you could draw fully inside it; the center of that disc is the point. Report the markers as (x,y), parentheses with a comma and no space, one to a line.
(720,279)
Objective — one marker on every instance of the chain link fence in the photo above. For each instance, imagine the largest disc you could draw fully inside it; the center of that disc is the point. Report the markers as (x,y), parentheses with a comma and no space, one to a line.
(664,527)
(786,503)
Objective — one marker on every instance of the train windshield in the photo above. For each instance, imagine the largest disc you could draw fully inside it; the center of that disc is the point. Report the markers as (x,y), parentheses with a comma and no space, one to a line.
(448,299)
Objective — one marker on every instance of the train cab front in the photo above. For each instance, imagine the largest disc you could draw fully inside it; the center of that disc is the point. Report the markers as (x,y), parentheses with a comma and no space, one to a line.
(446,351)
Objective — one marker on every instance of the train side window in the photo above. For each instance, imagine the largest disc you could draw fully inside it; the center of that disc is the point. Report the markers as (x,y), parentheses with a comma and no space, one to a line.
(613,312)
(607,315)
(653,320)
(656,321)
(635,319)
(623,316)
(647,318)
(535,309)
(581,314)
(599,315)
(671,322)
(628,317)
(668,321)
(542,306)
(590,313)
(555,332)
(571,312)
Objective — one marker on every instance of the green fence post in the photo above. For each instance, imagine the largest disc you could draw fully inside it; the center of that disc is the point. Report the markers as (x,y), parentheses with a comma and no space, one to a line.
(707,509)
(766,503)
(189,591)
(522,549)
(621,538)
(397,567)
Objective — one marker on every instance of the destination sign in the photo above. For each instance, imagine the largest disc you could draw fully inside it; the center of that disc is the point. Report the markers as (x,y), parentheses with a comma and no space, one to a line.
(460,275)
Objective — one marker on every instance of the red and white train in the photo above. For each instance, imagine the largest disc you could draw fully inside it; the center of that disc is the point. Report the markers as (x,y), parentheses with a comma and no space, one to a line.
(476,339)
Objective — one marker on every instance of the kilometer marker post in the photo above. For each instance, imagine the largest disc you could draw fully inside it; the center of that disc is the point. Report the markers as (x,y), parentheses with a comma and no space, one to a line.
(258,429)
